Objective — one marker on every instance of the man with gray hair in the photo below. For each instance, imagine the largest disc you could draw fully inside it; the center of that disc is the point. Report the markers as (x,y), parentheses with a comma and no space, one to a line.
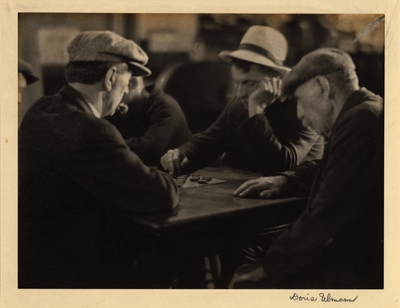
(79,183)
(337,242)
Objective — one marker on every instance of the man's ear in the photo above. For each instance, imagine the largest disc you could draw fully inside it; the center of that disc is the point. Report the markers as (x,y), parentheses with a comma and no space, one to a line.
(324,85)
(110,77)
(133,83)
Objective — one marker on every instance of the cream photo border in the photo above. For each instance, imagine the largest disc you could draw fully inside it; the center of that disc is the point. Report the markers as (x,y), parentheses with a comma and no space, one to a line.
(11,296)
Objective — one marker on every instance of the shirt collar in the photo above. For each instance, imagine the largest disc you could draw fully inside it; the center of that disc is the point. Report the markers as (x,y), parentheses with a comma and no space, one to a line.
(94,110)
(76,96)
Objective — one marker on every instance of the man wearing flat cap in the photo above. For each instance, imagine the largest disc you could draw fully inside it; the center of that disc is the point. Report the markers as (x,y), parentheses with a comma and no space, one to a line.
(79,183)
(25,77)
(256,131)
(337,243)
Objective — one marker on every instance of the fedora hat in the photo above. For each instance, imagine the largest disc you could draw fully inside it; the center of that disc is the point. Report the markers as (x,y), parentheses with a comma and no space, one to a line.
(261,45)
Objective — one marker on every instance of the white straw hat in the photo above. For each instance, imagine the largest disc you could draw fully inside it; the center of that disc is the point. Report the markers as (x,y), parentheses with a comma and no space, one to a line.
(261,45)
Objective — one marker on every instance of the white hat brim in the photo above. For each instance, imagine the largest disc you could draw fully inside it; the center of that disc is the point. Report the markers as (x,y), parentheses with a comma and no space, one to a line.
(253,57)
(139,70)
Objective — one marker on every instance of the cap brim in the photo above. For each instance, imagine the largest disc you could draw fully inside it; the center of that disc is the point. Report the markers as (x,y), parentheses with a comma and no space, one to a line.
(30,78)
(26,69)
(294,79)
(139,70)
(253,57)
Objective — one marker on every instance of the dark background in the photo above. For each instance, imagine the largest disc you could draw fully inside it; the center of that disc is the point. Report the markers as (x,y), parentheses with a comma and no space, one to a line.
(171,39)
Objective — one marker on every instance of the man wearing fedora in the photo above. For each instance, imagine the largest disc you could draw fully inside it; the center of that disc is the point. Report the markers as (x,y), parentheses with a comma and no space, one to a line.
(255,131)
(79,183)
(337,242)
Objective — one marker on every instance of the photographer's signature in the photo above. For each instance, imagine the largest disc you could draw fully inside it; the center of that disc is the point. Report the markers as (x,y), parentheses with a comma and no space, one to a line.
(328,298)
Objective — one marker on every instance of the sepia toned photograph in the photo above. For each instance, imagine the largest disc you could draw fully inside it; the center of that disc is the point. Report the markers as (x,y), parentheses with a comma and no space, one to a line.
(200,153)
(199,162)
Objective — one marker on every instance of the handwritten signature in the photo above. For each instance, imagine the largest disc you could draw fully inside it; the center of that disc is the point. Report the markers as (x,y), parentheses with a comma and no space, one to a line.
(322,297)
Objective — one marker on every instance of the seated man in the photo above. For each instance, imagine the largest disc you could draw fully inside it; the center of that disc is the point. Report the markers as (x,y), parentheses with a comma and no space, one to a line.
(255,131)
(79,183)
(153,124)
(337,242)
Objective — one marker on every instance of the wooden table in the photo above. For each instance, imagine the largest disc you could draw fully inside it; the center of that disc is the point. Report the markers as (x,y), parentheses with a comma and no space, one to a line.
(209,219)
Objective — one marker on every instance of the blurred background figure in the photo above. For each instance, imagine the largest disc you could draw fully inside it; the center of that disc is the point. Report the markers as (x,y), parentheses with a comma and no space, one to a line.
(201,83)
(25,77)
(153,122)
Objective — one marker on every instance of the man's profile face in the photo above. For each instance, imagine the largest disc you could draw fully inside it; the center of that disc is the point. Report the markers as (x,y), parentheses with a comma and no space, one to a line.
(119,88)
(246,82)
(313,109)
(21,86)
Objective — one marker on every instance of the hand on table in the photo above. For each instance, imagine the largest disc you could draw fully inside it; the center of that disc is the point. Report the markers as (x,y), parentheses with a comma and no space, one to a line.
(254,255)
(265,187)
(173,161)
(265,93)
(247,272)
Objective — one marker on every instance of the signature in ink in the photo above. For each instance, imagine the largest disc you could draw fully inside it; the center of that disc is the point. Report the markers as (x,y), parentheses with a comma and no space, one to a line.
(323,298)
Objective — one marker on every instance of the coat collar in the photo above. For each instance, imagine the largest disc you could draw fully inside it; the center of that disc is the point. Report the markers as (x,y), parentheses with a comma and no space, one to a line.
(355,98)
(76,99)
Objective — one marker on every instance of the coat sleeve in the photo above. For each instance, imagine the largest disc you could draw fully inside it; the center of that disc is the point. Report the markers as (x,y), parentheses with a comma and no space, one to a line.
(167,129)
(302,177)
(347,182)
(209,145)
(275,151)
(102,163)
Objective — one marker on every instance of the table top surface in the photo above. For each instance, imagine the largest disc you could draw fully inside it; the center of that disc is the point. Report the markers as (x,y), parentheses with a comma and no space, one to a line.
(210,203)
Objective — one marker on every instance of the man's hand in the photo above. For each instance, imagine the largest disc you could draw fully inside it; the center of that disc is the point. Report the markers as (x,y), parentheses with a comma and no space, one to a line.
(247,272)
(266,187)
(173,161)
(265,93)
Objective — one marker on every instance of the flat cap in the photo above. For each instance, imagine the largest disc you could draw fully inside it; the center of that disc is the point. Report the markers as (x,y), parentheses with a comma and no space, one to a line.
(108,46)
(26,69)
(319,62)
